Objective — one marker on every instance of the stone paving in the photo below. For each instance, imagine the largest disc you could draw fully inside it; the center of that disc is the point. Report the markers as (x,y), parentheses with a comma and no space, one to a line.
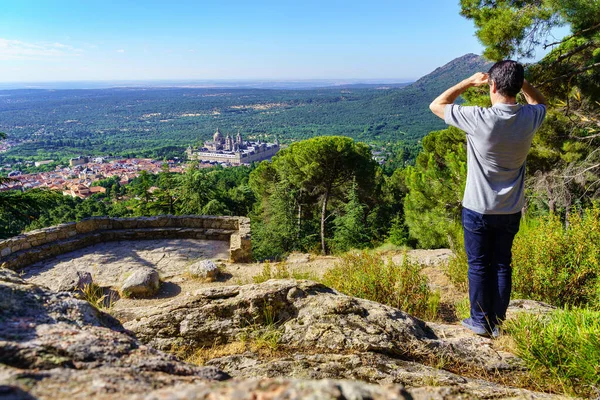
(110,263)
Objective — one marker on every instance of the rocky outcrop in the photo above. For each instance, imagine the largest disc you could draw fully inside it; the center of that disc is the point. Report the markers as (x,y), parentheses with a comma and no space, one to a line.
(53,346)
(310,316)
(285,389)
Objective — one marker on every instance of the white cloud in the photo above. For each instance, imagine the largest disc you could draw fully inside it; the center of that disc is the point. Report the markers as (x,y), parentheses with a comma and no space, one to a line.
(19,50)
(121,51)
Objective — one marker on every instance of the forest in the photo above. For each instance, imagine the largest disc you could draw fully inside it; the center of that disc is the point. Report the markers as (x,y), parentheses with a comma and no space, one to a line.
(325,194)
(162,122)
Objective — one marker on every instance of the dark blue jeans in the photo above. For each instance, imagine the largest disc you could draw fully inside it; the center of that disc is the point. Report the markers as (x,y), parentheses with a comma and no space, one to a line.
(488,243)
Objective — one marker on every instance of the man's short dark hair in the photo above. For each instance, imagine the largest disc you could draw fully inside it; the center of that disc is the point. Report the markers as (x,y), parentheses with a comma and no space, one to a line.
(509,76)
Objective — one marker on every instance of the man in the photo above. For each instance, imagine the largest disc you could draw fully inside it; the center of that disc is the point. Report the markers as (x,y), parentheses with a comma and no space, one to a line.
(498,140)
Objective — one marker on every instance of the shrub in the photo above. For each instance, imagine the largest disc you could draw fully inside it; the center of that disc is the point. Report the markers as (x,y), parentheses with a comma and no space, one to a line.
(559,265)
(366,275)
(551,263)
(562,347)
(457,266)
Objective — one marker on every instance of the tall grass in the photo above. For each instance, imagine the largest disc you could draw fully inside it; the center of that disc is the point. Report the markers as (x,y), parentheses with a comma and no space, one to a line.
(281,271)
(368,276)
(562,347)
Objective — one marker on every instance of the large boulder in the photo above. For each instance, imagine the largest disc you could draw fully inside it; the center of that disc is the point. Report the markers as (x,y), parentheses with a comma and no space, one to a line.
(142,283)
(53,345)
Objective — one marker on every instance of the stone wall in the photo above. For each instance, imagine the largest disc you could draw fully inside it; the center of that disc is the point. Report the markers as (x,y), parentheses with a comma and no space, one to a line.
(31,247)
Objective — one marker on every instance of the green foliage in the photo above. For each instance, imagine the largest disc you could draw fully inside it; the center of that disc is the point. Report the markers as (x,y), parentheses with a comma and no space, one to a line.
(398,234)
(435,189)
(559,265)
(18,209)
(507,27)
(561,348)
(351,230)
(368,276)
(276,229)
(457,267)
(305,184)
(95,295)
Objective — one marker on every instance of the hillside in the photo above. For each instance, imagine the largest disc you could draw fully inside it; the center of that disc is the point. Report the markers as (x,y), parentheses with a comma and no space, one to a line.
(161,122)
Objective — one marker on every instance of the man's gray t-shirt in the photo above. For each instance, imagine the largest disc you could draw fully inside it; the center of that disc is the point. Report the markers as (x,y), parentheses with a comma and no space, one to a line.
(498,140)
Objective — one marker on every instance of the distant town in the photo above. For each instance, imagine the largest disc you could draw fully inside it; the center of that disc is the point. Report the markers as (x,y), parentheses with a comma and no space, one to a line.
(78,178)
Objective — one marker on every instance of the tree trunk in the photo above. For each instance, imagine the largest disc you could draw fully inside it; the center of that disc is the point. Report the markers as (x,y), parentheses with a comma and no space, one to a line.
(323,212)
(299,221)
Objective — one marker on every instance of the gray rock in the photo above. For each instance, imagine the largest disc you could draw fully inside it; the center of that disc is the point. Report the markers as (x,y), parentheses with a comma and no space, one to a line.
(54,346)
(312,317)
(528,306)
(298,258)
(205,269)
(283,389)
(325,389)
(369,367)
(73,281)
(142,283)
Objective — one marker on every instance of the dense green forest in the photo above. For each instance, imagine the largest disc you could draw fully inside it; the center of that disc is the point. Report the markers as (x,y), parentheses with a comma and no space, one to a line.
(162,122)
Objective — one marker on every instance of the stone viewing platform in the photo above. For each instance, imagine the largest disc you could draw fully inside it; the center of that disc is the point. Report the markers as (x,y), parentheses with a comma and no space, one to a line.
(31,247)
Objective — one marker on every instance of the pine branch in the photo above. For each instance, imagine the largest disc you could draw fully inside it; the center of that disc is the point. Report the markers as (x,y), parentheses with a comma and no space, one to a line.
(581,32)
(573,52)
(579,71)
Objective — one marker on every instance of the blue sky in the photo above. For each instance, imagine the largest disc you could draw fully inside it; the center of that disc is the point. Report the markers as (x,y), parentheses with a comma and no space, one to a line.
(49,40)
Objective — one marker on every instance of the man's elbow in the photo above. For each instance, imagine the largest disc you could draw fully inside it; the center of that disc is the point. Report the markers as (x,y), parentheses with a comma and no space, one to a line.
(437,109)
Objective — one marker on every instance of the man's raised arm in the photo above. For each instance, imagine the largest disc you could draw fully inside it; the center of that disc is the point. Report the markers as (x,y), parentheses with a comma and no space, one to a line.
(532,95)
(438,105)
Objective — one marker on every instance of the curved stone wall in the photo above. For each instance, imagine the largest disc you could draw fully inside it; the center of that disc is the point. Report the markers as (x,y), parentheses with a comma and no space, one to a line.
(31,247)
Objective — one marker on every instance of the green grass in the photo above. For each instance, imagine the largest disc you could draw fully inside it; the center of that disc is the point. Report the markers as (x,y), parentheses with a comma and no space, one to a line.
(281,271)
(562,348)
(366,275)
(462,308)
(95,295)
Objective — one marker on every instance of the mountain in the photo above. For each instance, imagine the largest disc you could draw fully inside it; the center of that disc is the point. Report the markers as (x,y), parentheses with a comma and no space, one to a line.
(413,100)
(450,74)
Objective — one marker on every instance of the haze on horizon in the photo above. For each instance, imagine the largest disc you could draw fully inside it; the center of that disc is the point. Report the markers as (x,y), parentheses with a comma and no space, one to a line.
(385,41)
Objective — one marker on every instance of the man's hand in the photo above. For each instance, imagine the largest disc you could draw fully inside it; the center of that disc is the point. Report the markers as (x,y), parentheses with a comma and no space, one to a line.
(438,105)
(479,79)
